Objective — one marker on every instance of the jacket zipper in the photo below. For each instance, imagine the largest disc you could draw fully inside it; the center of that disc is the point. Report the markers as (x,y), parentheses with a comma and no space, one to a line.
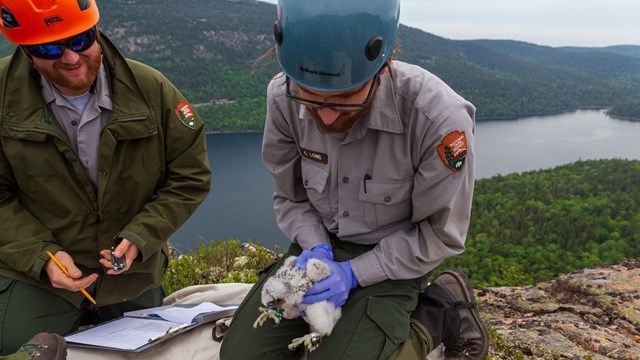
(41,131)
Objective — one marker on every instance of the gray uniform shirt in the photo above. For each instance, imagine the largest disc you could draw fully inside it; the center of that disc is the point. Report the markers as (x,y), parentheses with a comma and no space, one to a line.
(401,179)
(83,130)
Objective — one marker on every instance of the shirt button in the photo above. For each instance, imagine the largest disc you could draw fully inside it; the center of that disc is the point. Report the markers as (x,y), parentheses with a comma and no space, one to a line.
(104,173)
(345,214)
(74,123)
(387,198)
(345,180)
(306,183)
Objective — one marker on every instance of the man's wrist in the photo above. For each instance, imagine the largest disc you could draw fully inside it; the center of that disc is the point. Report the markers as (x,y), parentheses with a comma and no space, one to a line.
(354,280)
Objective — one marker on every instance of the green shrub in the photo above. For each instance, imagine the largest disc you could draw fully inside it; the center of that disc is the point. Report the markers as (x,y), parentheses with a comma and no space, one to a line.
(220,262)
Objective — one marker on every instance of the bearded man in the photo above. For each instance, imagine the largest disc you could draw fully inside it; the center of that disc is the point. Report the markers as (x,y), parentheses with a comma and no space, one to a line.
(373,164)
(101,158)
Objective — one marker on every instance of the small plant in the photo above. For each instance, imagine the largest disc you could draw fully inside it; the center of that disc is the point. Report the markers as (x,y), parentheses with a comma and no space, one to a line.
(500,347)
(219,262)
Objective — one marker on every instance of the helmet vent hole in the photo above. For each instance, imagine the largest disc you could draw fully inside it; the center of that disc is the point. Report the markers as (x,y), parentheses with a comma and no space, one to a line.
(84,4)
(277,32)
(8,20)
(374,46)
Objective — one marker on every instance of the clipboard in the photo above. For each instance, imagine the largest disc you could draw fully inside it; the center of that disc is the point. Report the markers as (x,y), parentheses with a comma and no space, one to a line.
(139,330)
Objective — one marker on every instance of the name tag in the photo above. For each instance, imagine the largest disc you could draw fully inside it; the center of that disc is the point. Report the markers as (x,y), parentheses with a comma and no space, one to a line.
(314,155)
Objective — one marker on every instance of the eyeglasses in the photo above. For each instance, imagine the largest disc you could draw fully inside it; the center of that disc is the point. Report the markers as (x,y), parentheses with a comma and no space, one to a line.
(50,51)
(313,104)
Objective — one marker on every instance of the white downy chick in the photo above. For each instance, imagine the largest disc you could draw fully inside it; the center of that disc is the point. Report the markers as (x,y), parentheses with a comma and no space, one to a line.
(282,297)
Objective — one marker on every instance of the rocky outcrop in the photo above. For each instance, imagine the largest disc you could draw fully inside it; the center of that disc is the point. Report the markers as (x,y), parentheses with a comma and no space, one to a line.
(589,314)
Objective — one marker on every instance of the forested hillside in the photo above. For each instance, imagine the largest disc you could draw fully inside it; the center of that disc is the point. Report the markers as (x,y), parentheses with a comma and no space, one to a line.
(207,48)
(535,226)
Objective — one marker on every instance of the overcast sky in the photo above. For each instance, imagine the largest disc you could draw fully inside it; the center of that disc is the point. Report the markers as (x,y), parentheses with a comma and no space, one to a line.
(542,22)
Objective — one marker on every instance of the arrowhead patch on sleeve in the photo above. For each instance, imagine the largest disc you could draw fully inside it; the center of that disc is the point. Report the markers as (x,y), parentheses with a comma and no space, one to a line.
(453,150)
(185,114)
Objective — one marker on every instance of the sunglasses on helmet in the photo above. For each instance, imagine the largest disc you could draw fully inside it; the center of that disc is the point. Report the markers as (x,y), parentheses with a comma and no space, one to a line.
(50,51)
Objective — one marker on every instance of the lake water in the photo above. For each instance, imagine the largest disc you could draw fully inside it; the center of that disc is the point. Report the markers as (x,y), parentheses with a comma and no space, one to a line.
(240,205)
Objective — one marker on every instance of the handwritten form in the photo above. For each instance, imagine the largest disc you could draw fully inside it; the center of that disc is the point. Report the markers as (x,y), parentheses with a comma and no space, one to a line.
(125,333)
(138,329)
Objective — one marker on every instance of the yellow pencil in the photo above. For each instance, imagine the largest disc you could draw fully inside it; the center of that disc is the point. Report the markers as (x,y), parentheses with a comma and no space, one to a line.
(64,270)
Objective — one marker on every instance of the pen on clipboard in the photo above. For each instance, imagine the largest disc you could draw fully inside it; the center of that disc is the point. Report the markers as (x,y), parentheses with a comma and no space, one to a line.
(170,331)
(66,272)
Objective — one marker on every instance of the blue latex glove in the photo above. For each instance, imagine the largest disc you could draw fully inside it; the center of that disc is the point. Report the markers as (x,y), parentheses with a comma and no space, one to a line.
(334,288)
(322,252)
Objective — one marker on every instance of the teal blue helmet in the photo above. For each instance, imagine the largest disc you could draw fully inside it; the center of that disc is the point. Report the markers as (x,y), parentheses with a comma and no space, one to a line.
(334,45)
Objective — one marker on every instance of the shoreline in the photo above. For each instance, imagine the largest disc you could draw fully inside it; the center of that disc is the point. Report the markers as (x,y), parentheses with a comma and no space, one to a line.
(478,119)
(524,116)
(624,118)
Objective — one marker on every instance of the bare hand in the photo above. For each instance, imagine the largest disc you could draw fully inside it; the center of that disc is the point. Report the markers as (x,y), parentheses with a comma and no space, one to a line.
(126,248)
(60,280)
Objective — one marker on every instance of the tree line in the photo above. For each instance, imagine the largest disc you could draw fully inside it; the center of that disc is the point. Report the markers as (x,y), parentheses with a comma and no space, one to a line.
(534,226)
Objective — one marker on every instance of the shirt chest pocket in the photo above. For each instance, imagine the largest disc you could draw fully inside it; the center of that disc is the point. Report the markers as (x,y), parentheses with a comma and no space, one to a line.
(386,201)
(314,180)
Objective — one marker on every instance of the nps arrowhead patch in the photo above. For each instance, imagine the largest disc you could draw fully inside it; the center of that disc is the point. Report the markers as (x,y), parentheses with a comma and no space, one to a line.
(453,150)
(185,114)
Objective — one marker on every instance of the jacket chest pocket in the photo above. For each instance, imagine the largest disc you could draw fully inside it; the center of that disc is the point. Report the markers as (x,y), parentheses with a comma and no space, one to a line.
(314,180)
(37,177)
(386,201)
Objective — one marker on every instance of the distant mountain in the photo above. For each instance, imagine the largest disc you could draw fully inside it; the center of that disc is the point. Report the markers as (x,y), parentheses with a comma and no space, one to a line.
(597,63)
(628,50)
(509,78)
(207,48)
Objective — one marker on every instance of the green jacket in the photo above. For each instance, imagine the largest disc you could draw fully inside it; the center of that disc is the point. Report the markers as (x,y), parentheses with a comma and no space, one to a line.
(153,174)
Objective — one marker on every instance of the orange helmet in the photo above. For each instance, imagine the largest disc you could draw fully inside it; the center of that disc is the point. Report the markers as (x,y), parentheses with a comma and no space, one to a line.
(30,22)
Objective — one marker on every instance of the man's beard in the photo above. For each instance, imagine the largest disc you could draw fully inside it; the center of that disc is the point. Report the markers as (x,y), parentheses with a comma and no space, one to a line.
(344,122)
(56,77)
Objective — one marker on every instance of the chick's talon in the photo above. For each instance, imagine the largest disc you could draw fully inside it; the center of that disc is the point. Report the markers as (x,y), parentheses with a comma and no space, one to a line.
(266,314)
(311,341)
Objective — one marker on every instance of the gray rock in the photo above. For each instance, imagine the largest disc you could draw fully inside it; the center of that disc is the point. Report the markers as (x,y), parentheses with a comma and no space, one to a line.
(588,314)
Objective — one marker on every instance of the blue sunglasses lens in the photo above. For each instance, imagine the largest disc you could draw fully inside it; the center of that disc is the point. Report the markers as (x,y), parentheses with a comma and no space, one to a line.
(46,51)
(78,43)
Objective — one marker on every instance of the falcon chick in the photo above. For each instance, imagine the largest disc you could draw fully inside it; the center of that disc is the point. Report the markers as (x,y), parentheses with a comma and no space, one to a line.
(282,297)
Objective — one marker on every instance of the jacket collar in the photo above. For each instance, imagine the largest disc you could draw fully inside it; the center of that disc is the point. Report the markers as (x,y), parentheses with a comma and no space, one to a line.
(128,98)
(21,99)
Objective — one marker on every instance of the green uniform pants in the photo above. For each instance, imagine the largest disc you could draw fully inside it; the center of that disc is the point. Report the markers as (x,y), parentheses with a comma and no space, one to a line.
(375,321)
(26,310)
